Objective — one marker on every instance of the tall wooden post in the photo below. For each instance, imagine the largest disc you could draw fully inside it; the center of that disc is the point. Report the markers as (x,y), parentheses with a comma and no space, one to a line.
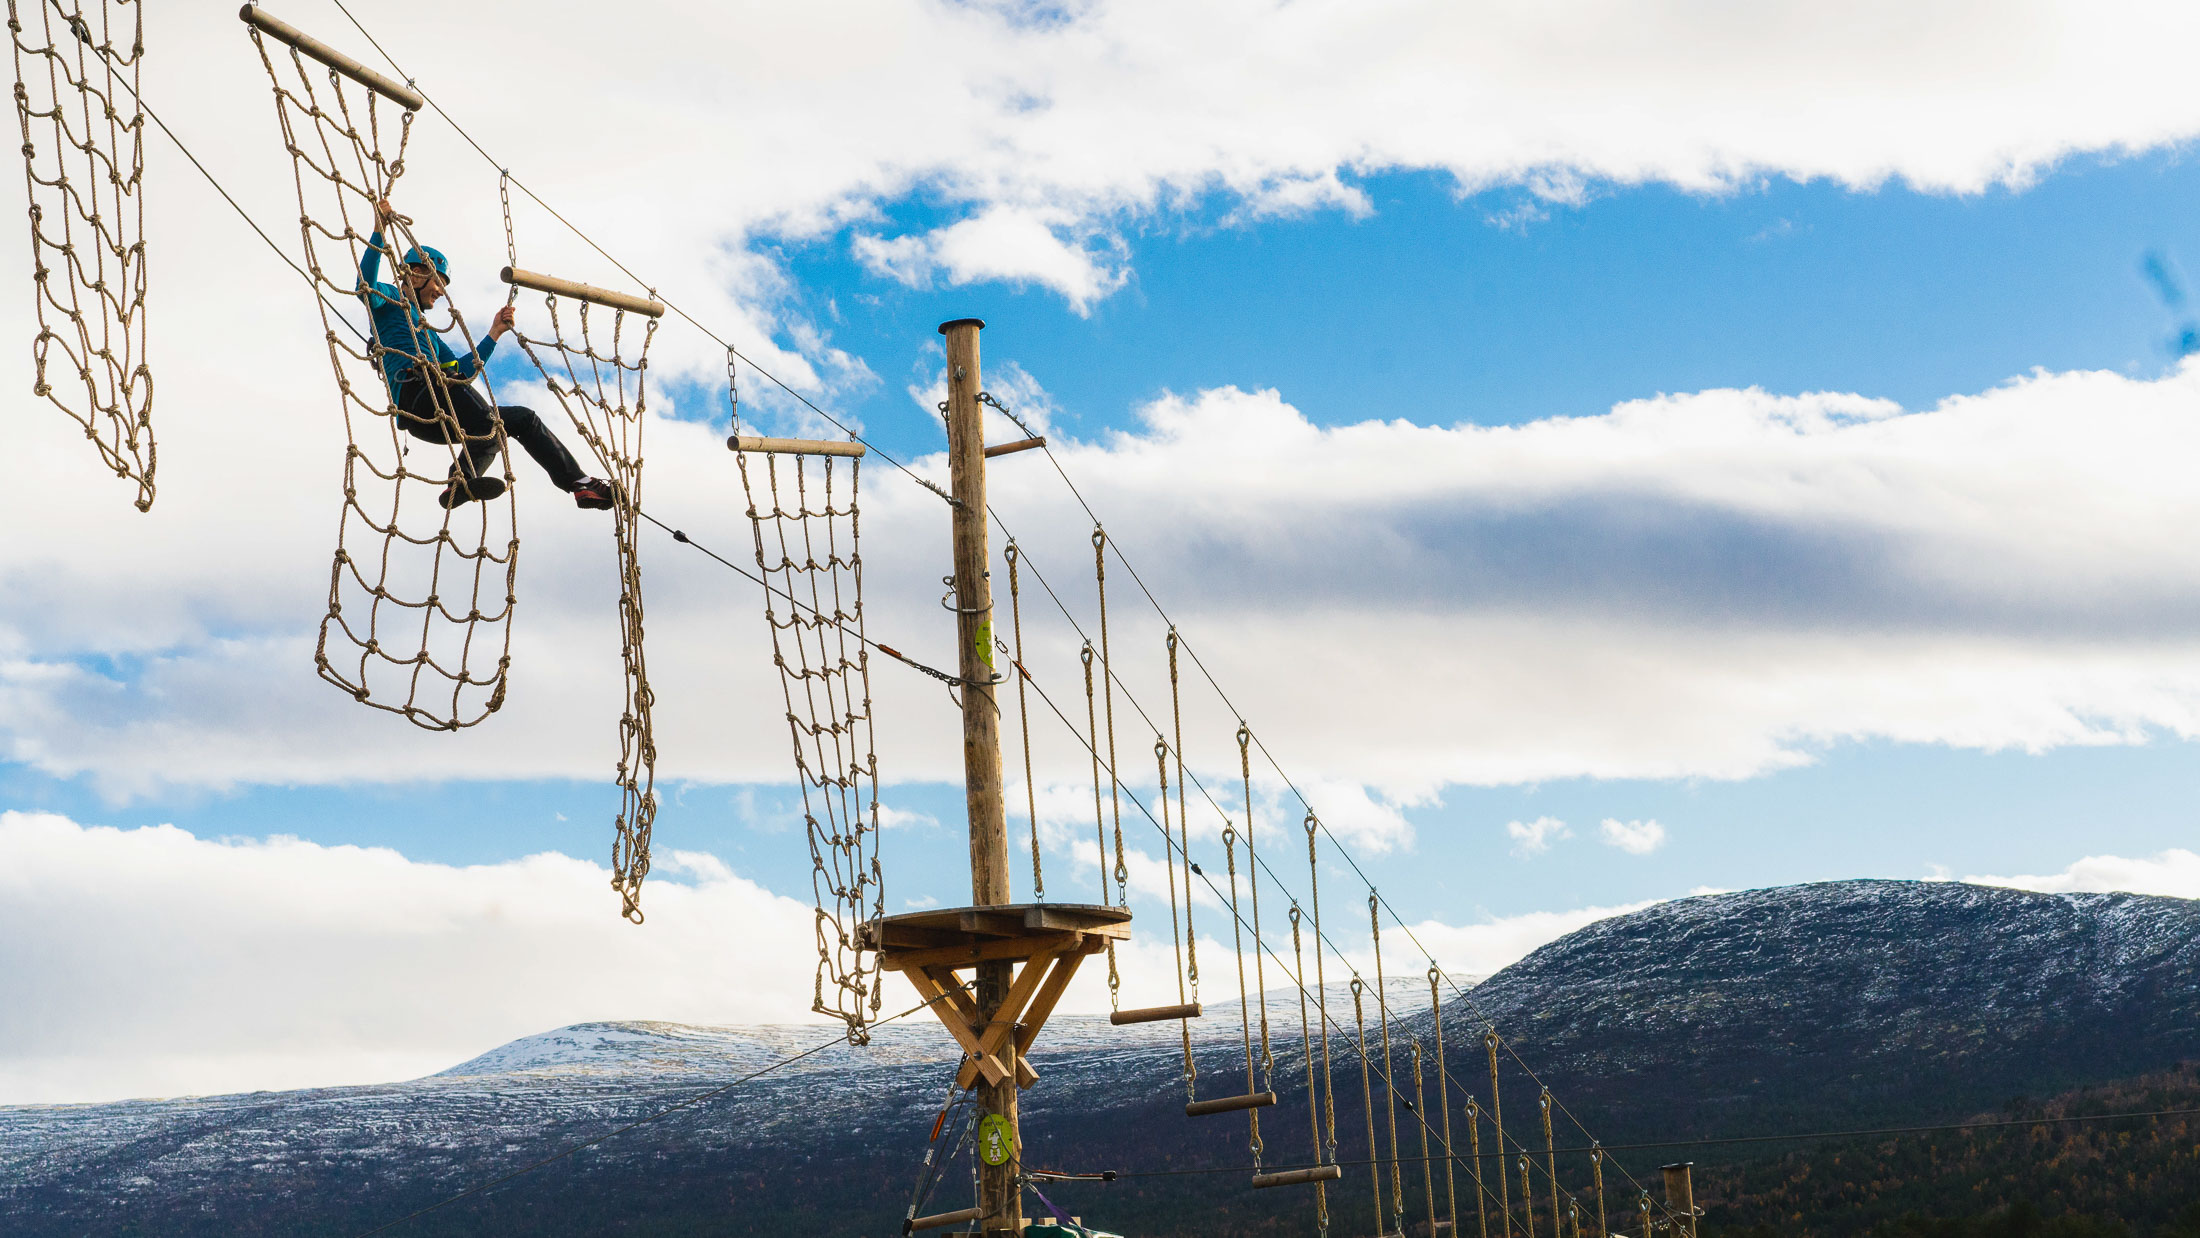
(1680,1197)
(1000,1198)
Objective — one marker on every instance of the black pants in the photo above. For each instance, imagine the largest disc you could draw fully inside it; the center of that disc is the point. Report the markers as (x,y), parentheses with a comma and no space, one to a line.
(418,414)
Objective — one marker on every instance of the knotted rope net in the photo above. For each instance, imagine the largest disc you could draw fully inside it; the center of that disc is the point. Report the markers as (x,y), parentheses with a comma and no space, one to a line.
(83,167)
(808,551)
(420,596)
(604,393)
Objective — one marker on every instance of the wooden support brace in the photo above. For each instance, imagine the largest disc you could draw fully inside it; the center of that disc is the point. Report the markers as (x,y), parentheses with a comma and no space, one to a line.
(1295,1177)
(581,292)
(1001,1032)
(794,446)
(1022,444)
(283,32)
(1154,1014)
(944,1218)
(1229,1104)
(958,1016)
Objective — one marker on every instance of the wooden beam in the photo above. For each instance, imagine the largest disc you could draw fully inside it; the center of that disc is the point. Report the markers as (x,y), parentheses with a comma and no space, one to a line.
(965,955)
(1154,1014)
(1009,449)
(794,446)
(283,32)
(581,292)
(1293,1177)
(946,1218)
(1229,1104)
(1001,1029)
(1053,918)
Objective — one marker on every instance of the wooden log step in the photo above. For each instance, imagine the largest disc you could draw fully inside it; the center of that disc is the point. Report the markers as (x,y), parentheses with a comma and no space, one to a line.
(1022,444)
(581,292)
(794,446)
(944,1218)
(1229,1104)
(1154,1014)
(1295,1177)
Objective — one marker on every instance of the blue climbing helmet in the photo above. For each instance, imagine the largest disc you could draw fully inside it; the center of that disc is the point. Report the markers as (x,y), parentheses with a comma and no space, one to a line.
(428,256)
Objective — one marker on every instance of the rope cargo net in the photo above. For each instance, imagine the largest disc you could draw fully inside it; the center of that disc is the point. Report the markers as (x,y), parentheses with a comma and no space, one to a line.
(603,392)
(83,167)
(807,550)
(420,597)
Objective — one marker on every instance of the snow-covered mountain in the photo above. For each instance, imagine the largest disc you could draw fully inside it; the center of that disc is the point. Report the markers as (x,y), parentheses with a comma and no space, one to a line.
(1869,1000)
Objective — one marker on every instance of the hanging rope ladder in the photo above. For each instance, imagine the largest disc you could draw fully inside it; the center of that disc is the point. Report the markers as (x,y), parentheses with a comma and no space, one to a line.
(422,594)
(825,683)
(604,394)
(83,168)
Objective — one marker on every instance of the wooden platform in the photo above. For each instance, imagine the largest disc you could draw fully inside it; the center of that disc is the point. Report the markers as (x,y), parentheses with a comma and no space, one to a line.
(1049,940)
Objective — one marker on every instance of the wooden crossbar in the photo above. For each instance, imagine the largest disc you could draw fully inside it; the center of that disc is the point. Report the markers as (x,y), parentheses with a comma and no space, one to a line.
(1229,1104)
(1009,449)
(581,292)
(944,1218)
(794,446)
(1294,1177)
(283,32)
(1154,1014)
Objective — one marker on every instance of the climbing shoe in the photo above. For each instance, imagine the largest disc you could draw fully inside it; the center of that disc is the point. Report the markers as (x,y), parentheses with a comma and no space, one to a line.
(464,490)
(595,492)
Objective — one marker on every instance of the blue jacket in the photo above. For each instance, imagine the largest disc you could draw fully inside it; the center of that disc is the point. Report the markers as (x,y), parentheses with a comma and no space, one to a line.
(406,340)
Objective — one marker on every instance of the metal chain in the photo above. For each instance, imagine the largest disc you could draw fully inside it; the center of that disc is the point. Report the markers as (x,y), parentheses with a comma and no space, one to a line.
(1023,715)
(416,650)
(99,251)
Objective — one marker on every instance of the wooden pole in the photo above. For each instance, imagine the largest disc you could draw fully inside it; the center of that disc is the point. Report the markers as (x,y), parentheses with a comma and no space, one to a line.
(1000,1197)
(1680,1197)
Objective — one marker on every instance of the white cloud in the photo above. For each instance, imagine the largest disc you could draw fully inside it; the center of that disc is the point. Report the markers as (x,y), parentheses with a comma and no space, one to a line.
(1531,838)
(1003,244)
(2175,872)
(152,962)
(1632,837)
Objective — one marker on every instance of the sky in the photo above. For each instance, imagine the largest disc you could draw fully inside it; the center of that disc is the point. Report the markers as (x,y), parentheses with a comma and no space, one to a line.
(1605,453)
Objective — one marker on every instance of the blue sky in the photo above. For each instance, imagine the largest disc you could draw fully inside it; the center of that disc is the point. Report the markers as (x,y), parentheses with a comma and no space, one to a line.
(1765,428)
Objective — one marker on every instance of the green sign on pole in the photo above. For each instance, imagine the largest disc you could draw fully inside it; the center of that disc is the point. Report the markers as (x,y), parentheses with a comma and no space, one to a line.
(996,1142)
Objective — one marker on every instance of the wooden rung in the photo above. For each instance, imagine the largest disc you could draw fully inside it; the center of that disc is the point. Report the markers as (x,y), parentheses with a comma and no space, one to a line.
(581,292)
(1229,1104)
(1009,449)
(1294,1177)
(794,446)
(283,32)
(944,1218)
(1154,1014)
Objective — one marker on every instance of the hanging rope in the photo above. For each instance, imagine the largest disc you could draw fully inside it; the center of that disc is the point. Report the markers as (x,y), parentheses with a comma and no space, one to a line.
(604,394)
(1596,1170)
(1321,995)
(1550,1153)
(1168,862)
(1367,1091)
(1443,1089)
(1023,717)
(1107,681)
(1191,935)
(825,682)
(422,594)
(1245,1028)
(1474,1166)
(83,168)
(1306,1051)
(1497,1124)
(1428,1164)
(1382,1010)
(1252,873)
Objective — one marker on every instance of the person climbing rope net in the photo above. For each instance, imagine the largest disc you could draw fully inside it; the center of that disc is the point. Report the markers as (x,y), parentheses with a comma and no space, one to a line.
(406,346)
